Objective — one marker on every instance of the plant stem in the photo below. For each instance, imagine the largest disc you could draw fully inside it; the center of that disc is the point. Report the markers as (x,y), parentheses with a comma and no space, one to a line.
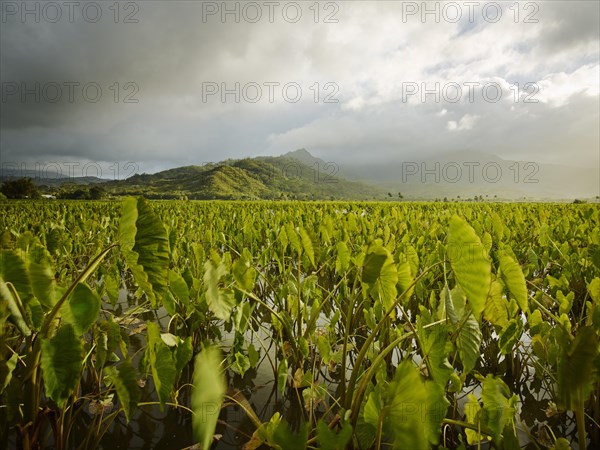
(299,298)
(481,429)
(360,392)
(580,416)
(349,317)
(80,279)
(365,348)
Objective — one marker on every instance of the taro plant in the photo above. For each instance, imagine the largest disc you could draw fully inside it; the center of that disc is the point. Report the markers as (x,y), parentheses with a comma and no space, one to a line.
(46,347)
(48,322)
(405,325)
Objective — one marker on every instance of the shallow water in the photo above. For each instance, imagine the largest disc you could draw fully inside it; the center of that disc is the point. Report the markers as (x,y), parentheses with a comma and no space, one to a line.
(151,428)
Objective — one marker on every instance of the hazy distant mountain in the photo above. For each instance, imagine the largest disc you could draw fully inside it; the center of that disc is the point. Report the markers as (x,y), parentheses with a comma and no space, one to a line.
(303,156)
(299,174)
(471,173)
(47,178)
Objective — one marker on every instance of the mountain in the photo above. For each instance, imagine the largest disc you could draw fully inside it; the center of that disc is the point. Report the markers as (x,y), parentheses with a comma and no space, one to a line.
(295,175)
(472,173)
(300,175)
(304,157)
(48,178)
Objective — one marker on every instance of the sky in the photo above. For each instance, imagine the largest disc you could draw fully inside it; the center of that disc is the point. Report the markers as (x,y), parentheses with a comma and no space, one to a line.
(105,88)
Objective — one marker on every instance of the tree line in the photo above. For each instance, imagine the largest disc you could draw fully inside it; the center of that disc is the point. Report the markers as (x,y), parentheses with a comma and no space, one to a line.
(25,188)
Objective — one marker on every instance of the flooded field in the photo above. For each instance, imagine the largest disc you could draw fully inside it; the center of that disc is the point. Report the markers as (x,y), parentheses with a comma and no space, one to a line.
(325,325)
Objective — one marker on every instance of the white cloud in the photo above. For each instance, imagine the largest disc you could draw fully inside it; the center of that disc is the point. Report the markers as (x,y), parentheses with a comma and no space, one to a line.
(466,122)
(557,88)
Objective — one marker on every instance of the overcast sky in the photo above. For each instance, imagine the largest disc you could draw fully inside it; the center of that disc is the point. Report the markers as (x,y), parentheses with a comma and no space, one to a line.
(345,80)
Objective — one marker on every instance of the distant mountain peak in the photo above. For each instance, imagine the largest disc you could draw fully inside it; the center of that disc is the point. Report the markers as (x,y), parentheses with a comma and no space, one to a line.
(304,156)
(264,177)
(302,152)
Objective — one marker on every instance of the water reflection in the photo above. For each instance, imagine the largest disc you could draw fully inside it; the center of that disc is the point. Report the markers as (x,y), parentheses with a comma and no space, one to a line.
(151,428)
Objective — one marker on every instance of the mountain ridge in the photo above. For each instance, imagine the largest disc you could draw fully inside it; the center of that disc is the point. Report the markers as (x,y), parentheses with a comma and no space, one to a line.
(300,175)
(469,173)
(263,177)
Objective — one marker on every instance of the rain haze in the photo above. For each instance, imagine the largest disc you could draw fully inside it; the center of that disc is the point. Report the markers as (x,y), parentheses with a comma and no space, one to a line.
(165,84)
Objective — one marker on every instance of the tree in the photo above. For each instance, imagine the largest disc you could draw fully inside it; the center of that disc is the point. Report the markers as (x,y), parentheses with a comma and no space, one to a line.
(97,193)
(80,194)
(21,188)
(390,194)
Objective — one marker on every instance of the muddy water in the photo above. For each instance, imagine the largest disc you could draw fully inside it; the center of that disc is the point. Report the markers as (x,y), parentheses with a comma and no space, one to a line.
(172,429)
(151,428)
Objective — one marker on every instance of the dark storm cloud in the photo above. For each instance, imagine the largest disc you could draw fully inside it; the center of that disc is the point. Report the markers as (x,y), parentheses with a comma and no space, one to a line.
(161,64)
(570,24)
(163,60)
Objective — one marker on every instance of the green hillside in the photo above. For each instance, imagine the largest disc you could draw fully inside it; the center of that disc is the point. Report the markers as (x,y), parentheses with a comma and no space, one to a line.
(282,177)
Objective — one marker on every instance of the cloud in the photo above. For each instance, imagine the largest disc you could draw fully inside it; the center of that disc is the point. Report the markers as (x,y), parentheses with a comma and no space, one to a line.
(365,64)
(557,88)
(466,122)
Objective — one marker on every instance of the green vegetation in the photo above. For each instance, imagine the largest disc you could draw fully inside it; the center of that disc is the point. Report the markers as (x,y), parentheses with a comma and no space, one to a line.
(417,325)
(298,175)
(83,193)
(249,179)
(294,176)
(19,189)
